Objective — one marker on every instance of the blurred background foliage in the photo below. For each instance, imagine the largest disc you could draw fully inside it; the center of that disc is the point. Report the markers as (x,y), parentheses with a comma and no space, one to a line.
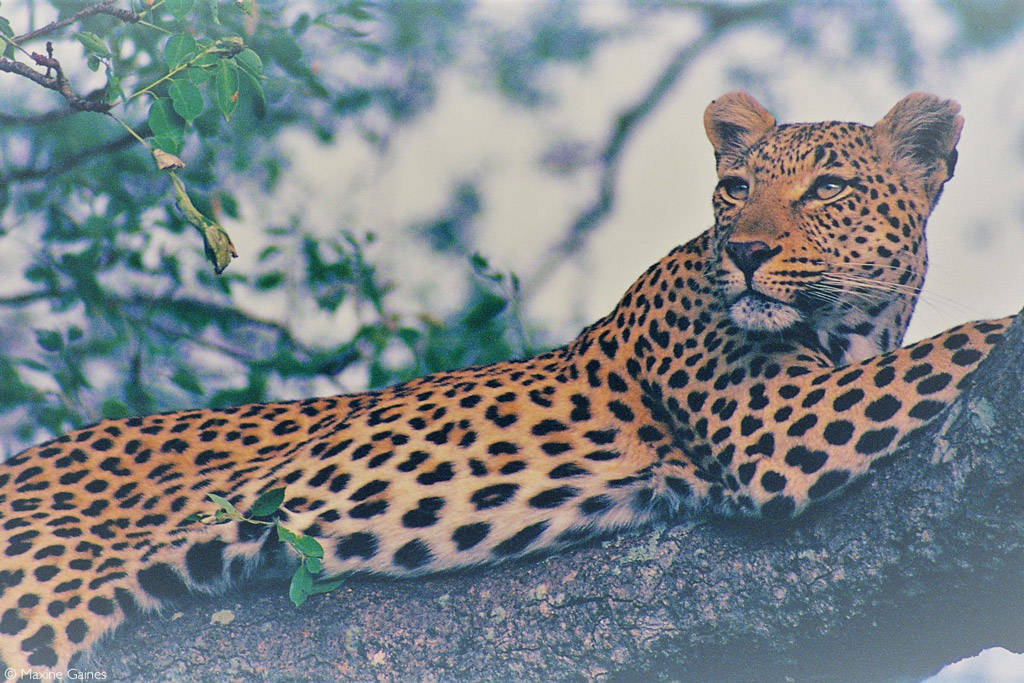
(108,306)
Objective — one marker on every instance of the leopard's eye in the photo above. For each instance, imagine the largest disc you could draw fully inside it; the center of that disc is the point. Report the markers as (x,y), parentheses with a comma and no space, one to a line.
(827,187)
(736,189)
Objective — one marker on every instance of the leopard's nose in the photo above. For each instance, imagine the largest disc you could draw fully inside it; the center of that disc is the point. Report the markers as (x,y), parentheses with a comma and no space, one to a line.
(748,256)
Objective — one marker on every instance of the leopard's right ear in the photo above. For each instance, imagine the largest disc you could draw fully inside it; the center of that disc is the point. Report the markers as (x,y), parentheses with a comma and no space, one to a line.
(734,122)
(918,136)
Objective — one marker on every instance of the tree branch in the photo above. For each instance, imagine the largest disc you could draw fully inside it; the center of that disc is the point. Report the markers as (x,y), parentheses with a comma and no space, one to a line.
(56,83)
(917,567)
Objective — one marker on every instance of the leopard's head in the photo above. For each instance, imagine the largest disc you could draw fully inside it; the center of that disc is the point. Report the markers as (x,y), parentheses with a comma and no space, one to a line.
(822,224)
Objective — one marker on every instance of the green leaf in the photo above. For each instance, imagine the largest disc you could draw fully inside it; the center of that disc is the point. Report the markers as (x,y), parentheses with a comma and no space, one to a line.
(286,535)
(250,61)
(186,99)
(223,504)
(353,100)
(199,76)
(228,46)
(226,87)
(26,362)
(50,340)
(113,408)
(187,380)
(257,88)
(269,251)
(93,43)
(167,144)
(179,49)
(301,586)
(479,262)
(179,8)
(287,52)
(301,24)
(5,28)
(313,564)
(356,11)
(163,123)
(268,503)
(308,546)
(114,90)
(229,204)
(410,336)
(484,310)
(269,280)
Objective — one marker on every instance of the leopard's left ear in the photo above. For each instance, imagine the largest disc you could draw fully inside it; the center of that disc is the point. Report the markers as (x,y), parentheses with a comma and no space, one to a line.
(918,137)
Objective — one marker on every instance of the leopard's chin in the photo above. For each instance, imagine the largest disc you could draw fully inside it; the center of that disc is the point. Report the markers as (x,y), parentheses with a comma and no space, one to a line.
(759,313)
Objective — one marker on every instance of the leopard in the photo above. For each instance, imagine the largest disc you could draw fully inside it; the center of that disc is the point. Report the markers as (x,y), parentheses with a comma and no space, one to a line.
(754,372)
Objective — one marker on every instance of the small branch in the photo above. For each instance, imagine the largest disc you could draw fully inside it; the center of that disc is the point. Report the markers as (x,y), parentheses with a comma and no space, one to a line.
(105,7)
(16,300)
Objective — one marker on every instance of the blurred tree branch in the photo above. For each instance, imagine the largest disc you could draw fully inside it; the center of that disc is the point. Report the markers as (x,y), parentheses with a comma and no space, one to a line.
(226,317)
(626,124)
(66,164)
(105,7)
(718,19)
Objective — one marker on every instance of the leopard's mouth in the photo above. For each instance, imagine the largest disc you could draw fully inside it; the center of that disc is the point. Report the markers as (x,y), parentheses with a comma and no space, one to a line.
(758,312)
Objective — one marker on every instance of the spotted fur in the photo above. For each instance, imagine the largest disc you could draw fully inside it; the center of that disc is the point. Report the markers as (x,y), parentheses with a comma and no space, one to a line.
(752,371)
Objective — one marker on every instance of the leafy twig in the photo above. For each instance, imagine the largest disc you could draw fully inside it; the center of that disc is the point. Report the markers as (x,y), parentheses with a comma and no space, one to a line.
(225,46)
(304,581)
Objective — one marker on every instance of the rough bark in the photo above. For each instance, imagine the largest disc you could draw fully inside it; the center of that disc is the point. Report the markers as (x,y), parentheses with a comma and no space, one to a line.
(917,567)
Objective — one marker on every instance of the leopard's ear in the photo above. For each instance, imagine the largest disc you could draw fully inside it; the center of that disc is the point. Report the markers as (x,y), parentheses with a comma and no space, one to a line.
(734,122)
(918,137)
